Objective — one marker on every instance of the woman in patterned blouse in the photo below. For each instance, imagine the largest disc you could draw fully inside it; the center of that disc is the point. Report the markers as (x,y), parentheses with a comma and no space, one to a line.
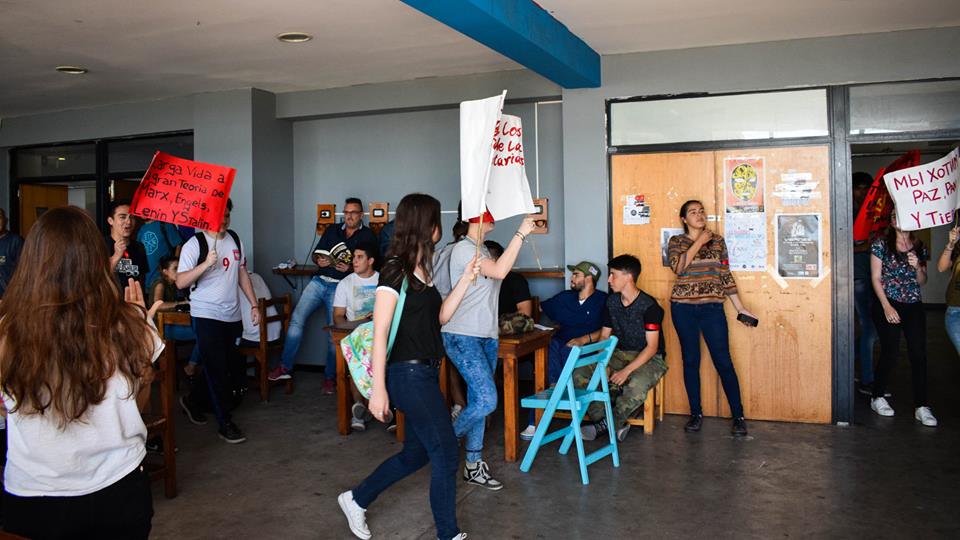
(898,268)
(704,282)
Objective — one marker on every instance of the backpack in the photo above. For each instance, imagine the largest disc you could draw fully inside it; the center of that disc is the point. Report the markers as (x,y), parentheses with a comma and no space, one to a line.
(205,249)
(441,270)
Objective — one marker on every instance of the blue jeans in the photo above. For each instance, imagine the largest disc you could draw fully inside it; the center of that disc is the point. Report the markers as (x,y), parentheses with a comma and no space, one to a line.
(318,292)
(862,300)
(691,320)
(415,390)
(476,360)
(180,332)
(952,321)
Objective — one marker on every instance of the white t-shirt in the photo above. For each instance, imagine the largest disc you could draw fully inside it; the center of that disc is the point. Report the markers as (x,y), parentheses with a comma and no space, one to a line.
(86,456)
(217,292)
(251,332)
(357,294)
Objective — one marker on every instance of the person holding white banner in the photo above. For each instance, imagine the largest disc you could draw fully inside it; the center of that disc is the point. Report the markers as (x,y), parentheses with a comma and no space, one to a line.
(470,339)
(949,261)
(898,268)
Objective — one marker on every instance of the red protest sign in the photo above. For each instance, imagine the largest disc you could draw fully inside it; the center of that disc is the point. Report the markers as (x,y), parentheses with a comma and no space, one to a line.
(184,192)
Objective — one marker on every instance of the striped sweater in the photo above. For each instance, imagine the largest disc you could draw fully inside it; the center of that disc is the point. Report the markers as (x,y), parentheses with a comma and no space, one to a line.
(705,279)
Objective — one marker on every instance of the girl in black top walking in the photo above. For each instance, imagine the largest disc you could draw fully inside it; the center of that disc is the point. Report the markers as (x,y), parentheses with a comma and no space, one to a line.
(409,377)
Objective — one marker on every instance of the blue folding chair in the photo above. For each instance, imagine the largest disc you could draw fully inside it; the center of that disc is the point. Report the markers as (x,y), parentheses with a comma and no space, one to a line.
(565,397)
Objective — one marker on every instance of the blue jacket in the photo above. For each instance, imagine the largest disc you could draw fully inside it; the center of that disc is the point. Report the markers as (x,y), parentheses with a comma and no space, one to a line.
(575,319)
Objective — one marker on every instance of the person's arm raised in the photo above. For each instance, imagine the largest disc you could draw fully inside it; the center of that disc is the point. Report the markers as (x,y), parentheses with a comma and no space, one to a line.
(501,267)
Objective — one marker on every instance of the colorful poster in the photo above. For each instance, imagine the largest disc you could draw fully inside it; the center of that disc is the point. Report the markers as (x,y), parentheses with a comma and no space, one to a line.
(926,195)
(798,246)
(665,235)
(743,184)
(746,237)
(183,192)
(635,210)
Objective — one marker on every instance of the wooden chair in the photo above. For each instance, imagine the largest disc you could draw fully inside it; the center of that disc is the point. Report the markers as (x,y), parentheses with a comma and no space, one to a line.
(652,408)
(565,397)
(265,349)
(161,422)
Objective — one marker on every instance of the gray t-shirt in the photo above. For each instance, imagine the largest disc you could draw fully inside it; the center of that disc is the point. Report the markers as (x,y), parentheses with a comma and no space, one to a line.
(477,314)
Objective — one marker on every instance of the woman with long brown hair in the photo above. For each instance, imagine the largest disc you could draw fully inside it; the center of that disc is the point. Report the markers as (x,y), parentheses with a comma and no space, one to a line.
(408,377)
(74,359)
(898,268)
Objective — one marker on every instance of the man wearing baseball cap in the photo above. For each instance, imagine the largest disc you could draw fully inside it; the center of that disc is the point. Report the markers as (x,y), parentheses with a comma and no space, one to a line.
(577,312)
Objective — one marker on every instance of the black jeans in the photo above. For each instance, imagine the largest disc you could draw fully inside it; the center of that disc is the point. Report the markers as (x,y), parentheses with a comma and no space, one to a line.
(223,368)
(123,510)
(913,324)
(415,390)
(691,320)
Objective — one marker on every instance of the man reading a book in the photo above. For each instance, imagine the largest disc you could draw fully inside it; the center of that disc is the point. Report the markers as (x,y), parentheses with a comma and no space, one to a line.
(320,291)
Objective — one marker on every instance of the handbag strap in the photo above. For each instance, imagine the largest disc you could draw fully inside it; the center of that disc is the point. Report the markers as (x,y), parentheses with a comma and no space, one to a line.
(397,311)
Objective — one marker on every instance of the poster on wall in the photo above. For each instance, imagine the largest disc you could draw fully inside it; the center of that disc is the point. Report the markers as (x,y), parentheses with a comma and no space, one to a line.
(797,189)
(666,234)
(746,237)
(798,246)
(635,210)
(743,184)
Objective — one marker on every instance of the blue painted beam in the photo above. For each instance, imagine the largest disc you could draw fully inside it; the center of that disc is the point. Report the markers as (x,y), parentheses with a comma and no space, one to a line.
(524,32)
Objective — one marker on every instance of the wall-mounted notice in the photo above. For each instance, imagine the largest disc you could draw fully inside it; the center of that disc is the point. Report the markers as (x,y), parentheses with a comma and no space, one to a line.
(797,189)
(746,237)
(926,195)
(665,235)
(743,184)
(183,192)
(798,246)
(635,210)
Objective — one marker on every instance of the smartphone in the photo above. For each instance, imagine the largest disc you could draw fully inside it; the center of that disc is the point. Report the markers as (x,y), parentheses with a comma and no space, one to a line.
(748,320)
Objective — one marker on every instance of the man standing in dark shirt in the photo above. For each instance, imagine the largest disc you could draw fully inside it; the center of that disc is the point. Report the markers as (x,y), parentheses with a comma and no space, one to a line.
(128,258)
(10,246)
(320,291)
(638,362)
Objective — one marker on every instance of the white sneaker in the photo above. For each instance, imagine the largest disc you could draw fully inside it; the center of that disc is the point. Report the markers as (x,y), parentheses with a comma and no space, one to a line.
(527,434)
(461,536)
(356,516)
(455,412)
(881,407)
(925,416)
(479,475)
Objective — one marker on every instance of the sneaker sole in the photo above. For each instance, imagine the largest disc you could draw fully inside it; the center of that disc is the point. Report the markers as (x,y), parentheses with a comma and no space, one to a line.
(485,486)
(343,508)
(884,414)
(186,411)
(358,427)
(280,378)
(232,441)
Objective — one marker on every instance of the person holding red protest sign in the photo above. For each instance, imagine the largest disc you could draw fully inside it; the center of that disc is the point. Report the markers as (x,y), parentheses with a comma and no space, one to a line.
(128,258)
(213,270)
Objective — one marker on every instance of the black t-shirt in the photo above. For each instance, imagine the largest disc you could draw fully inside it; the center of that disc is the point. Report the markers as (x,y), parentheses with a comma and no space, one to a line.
(418,336)
(631,323)
(513,290)
(133,264)
(10,246)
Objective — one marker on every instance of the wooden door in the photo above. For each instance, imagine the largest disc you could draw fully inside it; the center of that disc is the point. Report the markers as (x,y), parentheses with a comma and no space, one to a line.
(35,199)
(784,365)
(665,181)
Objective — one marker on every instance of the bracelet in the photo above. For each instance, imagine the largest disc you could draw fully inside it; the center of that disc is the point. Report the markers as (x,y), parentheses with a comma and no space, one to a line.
(521,235)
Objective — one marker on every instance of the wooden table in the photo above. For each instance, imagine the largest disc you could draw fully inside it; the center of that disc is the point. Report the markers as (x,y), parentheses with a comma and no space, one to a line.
(167,377)
(300,271)
(345,397)
(511,348)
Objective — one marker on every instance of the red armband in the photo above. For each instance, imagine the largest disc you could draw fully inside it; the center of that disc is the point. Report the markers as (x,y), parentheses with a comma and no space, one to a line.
(651,327)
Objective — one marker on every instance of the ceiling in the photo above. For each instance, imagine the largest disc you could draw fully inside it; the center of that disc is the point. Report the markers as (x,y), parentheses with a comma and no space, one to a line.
(150,50)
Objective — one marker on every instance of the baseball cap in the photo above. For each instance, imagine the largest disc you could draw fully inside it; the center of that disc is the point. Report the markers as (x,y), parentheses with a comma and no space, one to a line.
(588,269)
(487,218)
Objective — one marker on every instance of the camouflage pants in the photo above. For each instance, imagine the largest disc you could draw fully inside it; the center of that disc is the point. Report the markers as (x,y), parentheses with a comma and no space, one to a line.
(628,398)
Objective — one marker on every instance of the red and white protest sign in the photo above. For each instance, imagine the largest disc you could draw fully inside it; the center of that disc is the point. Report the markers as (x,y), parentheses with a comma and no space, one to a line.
(508,190)
(184,192)
(926,195)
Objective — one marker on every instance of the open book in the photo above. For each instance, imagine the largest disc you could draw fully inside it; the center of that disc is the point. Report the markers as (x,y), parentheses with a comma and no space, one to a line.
(339,253)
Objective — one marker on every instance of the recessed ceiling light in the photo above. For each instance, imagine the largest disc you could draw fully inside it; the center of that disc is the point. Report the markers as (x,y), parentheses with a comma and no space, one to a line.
(72,70)
(294,37)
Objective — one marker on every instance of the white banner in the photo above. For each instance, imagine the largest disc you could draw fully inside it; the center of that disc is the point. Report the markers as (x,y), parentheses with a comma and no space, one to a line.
(508,190)
(926,195)
(478,120)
